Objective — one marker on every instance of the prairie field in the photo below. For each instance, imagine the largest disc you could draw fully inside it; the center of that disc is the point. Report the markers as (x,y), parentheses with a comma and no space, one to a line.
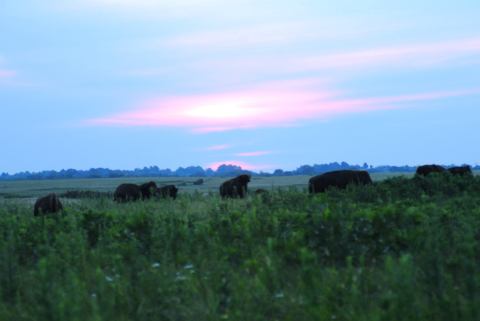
(400,249)
(35,188)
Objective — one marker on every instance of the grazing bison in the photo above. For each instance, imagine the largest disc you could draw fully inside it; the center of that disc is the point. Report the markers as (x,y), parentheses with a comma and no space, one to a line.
(235,187)
(167,191)
(339,179)
(199,181)
(148,190)
(47,204)
(428,169)
(461,170)
(127,192)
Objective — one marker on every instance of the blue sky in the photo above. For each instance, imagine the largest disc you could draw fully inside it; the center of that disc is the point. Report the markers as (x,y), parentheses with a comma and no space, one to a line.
(270,84)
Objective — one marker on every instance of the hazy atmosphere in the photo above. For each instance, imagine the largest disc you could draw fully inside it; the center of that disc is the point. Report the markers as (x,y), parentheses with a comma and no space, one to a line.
(264,85)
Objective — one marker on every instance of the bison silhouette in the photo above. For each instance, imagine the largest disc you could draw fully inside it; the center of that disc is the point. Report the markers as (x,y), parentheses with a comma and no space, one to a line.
(461,170)
(425,170)
(148,190)
(127,192)
(235,187)
(167,191)
(339,179)
(47,204)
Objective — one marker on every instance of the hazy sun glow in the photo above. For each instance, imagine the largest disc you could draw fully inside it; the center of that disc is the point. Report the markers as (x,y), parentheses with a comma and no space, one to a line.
(221,110)
(267,105)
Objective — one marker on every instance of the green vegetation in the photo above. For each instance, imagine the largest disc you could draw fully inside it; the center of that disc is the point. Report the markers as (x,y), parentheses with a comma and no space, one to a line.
(401,249)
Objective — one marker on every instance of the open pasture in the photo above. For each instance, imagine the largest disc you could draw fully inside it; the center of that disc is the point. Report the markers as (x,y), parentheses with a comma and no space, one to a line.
(35,188)
(400,249)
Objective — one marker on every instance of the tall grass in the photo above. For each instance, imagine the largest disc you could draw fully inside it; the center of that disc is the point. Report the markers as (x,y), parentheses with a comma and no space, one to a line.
(402,249)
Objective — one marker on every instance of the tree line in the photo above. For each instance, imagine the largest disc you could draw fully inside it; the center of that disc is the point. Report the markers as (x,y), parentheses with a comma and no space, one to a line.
(198,171)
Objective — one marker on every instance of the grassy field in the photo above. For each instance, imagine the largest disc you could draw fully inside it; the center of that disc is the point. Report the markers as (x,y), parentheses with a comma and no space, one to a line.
(35,188)
(401,249)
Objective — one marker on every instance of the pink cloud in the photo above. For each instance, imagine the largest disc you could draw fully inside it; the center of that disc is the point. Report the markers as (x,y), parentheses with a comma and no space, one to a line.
(218,147)
(254,154)
(243,165)
(7,73)
(272,104)
(420,54)
(407,55)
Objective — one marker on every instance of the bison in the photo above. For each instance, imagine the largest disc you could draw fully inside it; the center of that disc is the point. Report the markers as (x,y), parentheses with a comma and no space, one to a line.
(47,204)
(148,190)
(340,179)
(235,187)
(167,191)
(425,170)
(461,170)
(127,192)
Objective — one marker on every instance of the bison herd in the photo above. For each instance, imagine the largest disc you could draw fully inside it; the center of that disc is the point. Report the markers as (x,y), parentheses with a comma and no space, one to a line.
(237,187)
(134,192)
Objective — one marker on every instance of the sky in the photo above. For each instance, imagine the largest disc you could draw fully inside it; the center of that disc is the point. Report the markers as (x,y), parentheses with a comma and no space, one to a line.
(261,84)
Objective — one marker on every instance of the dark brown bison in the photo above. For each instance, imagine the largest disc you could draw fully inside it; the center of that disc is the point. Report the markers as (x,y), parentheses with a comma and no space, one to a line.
(48,204)
(148,190)
(424,170)
(461,170)
(167,191)
(235,187)
(199,181)
(339,179)
(127,192)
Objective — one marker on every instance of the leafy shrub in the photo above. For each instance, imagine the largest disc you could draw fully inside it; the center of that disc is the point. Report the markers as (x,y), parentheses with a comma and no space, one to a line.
(401,249)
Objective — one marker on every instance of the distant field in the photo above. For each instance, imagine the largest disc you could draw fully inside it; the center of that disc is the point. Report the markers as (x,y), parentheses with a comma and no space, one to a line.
(34,188)
(39,187)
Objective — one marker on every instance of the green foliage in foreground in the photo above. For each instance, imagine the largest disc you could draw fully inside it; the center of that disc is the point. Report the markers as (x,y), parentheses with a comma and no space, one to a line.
(403,249)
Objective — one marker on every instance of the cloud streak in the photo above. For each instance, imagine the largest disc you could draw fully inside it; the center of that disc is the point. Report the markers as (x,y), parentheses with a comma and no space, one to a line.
(421,54)
(268,105)
(263,34)
(254,154)
(154,9)
(7,73)
(400,56)
(218,147)
(243,165)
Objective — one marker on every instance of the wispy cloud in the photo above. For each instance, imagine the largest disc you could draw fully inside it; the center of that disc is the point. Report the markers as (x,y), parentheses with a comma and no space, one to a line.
(243,165)
(218,147)
(254,154)
(7,73)
(154,9)
(416,54)
(264,34)
(431,54)
(272,104)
